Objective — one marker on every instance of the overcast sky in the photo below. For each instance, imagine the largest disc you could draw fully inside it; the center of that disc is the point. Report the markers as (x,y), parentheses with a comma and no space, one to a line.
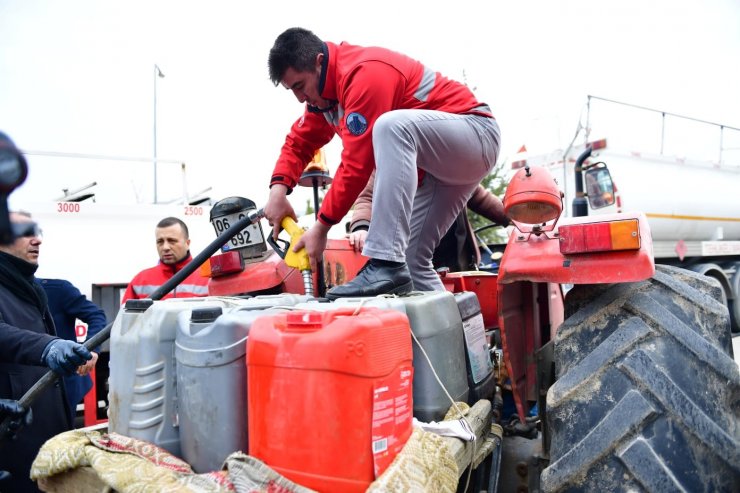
(77,76)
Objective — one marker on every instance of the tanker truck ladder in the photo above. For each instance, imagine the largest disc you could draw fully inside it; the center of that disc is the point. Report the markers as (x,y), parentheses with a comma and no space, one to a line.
(723,132)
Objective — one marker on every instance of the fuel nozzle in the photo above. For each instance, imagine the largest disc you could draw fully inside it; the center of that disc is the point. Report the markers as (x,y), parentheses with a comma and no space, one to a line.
(298,260)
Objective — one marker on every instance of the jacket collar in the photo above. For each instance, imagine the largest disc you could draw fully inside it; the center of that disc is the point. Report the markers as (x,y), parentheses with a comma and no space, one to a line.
(177,266)
(327,79)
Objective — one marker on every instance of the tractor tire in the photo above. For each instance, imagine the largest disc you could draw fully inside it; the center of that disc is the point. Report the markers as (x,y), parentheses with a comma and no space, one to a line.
(647,395)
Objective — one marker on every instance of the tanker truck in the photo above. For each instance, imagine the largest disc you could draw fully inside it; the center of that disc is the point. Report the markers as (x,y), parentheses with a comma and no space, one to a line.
(692,205)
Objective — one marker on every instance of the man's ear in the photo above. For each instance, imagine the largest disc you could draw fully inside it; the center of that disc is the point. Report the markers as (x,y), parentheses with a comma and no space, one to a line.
(319,60)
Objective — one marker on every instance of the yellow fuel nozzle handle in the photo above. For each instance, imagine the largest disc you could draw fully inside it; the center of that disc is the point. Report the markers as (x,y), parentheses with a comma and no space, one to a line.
(298,260)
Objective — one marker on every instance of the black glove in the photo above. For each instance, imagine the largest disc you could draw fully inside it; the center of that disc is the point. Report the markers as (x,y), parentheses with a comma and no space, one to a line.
(65,356)
(18,415)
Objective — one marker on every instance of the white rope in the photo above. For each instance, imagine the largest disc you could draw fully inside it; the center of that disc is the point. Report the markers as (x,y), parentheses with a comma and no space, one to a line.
(463,419)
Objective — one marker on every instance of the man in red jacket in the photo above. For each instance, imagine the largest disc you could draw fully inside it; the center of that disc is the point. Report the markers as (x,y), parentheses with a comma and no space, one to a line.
(173,243)
(399,118)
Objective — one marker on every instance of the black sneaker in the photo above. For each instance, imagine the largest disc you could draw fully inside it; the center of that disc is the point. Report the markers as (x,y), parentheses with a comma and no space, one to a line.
(376,277)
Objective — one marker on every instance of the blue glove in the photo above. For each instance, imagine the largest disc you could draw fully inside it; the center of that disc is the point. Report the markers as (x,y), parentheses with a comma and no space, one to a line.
(19,416)
(65,356)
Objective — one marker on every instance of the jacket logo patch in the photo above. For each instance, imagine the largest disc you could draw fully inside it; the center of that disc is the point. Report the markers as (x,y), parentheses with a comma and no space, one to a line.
(356,123)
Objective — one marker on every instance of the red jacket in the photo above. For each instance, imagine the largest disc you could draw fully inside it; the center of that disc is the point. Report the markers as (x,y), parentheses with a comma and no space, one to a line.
(148,280)
(365,83)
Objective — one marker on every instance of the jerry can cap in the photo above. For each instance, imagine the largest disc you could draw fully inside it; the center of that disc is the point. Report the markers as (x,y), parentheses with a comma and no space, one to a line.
(138,305)
(304,320)
(205,315)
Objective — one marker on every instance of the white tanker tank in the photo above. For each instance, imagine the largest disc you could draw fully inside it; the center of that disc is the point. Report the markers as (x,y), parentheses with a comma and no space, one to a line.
(683,199)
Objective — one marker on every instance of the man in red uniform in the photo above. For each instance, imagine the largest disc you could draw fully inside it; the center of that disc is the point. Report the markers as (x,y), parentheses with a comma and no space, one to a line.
(396,116)
(173,243)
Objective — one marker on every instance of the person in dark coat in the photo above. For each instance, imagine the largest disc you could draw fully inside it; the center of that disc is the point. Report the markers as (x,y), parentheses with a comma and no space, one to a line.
(67,304)
(28,348)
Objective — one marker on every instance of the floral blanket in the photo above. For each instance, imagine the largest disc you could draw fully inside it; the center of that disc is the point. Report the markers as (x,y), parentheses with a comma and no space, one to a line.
(129,465)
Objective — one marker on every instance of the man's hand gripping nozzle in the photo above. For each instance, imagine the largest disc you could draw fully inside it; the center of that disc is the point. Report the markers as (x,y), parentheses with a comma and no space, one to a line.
(298,260)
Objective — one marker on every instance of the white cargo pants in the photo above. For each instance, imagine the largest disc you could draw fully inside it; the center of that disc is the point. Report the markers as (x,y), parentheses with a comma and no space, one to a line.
(408,221)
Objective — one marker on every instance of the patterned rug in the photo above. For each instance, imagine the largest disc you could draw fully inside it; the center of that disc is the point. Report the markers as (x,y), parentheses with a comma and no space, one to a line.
(129,465)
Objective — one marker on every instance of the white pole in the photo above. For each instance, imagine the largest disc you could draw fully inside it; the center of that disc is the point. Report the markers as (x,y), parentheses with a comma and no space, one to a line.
(185,197)
(157,73)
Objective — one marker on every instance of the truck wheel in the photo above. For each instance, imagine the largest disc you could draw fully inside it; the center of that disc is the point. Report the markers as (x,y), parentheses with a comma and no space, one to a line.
(647,396)
(735,302)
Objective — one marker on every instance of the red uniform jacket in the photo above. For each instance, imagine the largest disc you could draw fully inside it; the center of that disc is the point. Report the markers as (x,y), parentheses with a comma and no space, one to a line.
(365,83)
(148,280)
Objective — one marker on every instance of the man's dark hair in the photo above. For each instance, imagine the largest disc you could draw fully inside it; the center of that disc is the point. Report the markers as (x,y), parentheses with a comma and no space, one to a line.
(295,48)
(171,221)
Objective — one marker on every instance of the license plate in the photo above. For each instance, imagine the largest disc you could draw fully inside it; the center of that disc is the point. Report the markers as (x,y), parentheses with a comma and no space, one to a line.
(251,235)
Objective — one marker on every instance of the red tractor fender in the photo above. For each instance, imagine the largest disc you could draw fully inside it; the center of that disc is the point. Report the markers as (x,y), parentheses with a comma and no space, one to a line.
(530,272)
(537,258)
